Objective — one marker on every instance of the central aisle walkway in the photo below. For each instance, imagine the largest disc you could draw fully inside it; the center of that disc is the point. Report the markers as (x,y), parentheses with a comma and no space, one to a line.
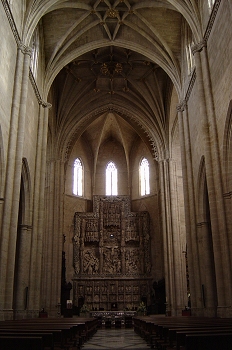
(118,339)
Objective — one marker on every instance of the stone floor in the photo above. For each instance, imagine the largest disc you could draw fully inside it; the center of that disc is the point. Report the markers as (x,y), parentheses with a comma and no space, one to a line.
(118,339)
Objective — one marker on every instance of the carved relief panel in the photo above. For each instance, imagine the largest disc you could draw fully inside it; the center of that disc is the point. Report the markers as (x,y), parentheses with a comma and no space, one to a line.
(111,241)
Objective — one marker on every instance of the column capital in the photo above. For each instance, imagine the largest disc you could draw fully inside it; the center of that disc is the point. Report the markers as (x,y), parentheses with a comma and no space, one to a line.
(41,102)
(181,106)
(26,50)
(25,227)
(227,195)
(164,160)
(199,46)
(45,104)
(201,224)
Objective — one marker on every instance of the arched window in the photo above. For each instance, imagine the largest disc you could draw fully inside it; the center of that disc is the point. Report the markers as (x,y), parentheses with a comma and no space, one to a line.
(144,177)
(35,53)
(78,178)
(210,4)
(111,180)
(190,58)
(188,42)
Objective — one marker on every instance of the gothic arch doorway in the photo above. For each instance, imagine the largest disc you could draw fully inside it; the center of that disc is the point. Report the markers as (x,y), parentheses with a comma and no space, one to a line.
(205,247)
(22,255)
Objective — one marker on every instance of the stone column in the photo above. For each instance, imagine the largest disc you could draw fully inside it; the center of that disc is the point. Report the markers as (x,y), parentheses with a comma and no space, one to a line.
(190,209)
(214,179)
(1,209)
(101,239)
(13,177)
(167,235)
(34,303)
(48,237)
(41,208)
(57,233)
(22,277)
(123,232)
(53,244)
(179,239)
(217,171)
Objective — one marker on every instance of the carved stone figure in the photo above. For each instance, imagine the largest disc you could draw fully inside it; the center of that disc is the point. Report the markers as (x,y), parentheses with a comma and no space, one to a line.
(114,243)
(91,263)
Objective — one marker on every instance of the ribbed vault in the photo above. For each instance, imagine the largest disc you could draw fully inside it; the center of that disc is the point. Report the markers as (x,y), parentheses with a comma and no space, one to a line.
(118,55)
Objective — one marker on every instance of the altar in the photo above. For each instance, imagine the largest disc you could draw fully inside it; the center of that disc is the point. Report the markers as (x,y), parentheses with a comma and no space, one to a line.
(114,318)
(112,260)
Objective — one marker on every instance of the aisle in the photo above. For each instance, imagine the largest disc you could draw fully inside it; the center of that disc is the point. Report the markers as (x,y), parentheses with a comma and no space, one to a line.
(118,339)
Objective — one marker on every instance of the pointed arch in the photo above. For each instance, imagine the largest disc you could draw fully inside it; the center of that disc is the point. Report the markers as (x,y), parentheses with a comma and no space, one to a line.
(26,193)
(23,243)
(205,245)
(2,164)
(227,150)
(201,190)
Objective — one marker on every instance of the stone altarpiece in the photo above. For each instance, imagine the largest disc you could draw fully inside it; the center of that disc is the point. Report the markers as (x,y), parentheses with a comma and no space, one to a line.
(112,260)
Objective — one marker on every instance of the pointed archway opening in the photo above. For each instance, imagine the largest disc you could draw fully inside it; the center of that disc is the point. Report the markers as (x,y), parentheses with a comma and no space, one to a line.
(23,242)
(20,285)
(205,247)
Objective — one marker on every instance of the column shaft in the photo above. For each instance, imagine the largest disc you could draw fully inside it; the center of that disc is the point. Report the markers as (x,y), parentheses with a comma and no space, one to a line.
(38,212)
(217,176)
(179,242)
(192,245)
(22,277)
(211,184)
(10,168)
(167,235)
(14,167)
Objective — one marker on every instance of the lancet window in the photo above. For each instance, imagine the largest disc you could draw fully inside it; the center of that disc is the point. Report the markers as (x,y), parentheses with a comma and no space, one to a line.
(144,177)
(78,177)
(111,179)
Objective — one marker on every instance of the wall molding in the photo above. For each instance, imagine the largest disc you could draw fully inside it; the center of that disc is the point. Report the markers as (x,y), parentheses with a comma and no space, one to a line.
(26,50)
(212,19)
(11,22)
(36,91)
(199,46)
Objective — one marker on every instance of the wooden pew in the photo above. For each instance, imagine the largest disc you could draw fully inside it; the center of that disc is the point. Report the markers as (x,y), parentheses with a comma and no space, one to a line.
(211,341)
(61,333)
(160,332)
(47,338)
(182,335)
(21,343)
(66,332)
